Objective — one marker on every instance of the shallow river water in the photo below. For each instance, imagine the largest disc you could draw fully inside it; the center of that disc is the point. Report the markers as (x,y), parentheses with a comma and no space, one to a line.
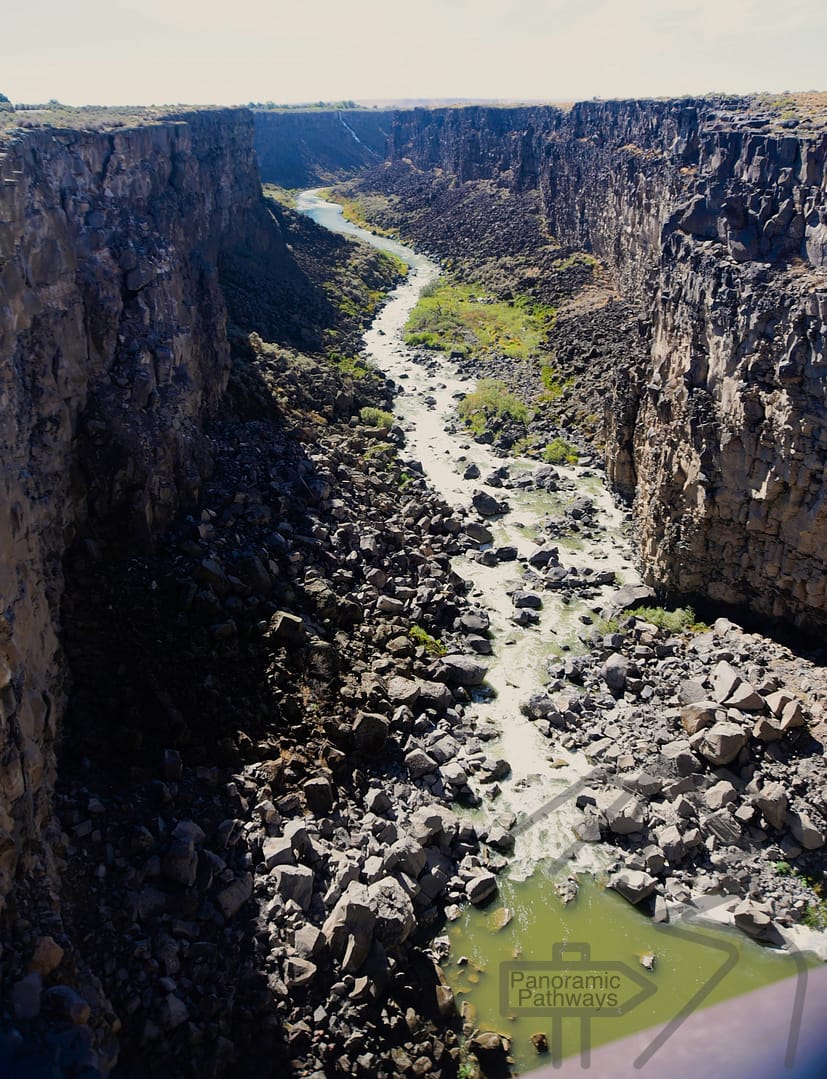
(488,963)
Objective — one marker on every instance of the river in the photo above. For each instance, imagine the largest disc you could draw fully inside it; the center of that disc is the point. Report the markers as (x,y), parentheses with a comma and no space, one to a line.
(598,926)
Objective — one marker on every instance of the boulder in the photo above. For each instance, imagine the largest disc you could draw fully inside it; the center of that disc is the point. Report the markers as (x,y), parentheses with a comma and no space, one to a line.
(500,839)
(319,794)
(724,681)
(419,763)
(732,689)
(454,774)
(348,929)
(294,882)
(771,800)
(475,621)
(370,732)
(530,600)
(778,700)
(407,855)
(807,831)
(486,505)
(767,729)
(231,899)
(720,794)
(642,783)
(671,843)
(481,887)
(460,670)
(277,850)
(755,919)
(543,557)
(699,715)
(435,695)
(792,715)
(298,972)
(393,909)
(403,690)
(429,823)
(628,596)
(478,532)
(722,742)
(635,885)
(287,629)
(614,672)
(624,815)
(723,826)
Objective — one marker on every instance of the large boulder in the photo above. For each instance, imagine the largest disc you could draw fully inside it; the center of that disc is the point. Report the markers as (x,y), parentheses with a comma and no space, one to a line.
(348,929)
(460,670)
(628,596)
(698,715)
(807,831)
(614,672)
(419,763)
(722,742)
(392,906)
(771,800)
(755,919)
(370,732)
(294,882)
(486,505)
(635,885)
(481,887)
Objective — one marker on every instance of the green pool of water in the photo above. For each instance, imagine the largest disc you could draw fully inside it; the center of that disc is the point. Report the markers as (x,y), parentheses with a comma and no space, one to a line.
(592,946)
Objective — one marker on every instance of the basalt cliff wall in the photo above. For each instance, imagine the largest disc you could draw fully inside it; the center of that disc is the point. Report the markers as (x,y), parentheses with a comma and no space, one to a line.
(113,350)
(714,219)
(299,148)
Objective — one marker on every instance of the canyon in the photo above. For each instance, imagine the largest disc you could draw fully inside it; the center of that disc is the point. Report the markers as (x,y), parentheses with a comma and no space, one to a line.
(716,229)
(209,554)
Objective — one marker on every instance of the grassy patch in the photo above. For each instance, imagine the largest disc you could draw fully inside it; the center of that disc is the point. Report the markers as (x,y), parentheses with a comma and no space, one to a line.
(352,366)
(282,195)
(681,620)
(359,297)
(376,417)
(356,211)
(455,317)
(560,452)
(491,402)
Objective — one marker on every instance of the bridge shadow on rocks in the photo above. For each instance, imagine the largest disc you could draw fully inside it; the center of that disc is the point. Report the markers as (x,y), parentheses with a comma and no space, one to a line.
(212,796)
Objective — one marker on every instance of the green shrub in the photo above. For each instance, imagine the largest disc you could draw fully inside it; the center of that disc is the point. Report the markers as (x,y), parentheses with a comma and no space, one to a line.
(815,915)
(491,400)
(681,620)
(458,317)
(432,645)
(559,452)
(375,417)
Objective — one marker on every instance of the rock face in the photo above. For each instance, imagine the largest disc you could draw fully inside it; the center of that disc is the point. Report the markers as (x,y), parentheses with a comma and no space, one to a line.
(715,221)
(114,346)
(299,149)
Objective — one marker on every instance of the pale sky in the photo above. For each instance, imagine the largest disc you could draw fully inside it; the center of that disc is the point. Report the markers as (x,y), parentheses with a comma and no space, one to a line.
(234,51)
